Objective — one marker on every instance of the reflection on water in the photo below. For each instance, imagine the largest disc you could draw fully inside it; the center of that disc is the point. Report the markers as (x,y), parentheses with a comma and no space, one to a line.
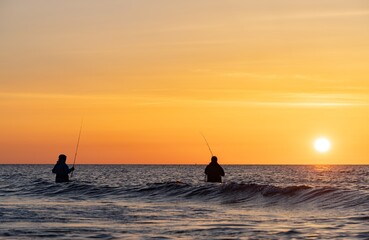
(322,168)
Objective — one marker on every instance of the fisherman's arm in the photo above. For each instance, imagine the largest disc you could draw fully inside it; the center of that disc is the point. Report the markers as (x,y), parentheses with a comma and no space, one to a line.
(55,169)
(70,169)
(222,172)
(207,170)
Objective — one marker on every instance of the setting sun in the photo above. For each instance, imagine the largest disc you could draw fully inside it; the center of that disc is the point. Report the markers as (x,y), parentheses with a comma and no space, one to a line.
(322,145)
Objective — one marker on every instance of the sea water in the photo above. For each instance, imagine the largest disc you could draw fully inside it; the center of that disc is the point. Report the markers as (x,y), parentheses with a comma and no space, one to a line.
(174,202)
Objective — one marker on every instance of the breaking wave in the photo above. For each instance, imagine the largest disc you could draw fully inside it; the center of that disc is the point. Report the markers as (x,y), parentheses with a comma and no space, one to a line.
(244,194)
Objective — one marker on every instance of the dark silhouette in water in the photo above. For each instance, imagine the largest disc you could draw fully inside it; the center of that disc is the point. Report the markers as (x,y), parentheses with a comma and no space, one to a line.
(214,172)
(62,170)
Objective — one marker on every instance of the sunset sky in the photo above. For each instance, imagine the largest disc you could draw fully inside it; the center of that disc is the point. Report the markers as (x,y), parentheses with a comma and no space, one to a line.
(260,79)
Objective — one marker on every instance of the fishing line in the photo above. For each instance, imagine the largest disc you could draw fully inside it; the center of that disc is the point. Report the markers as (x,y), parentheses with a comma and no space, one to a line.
(79,137)
(211,152)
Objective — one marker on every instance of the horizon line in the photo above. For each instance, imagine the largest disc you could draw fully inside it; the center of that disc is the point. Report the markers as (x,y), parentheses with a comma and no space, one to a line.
(193,164)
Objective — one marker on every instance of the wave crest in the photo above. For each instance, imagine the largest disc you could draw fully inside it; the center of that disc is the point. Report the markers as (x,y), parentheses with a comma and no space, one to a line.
(246,194)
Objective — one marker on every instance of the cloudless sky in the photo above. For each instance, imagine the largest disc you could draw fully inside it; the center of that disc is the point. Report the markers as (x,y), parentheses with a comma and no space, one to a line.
(261,79)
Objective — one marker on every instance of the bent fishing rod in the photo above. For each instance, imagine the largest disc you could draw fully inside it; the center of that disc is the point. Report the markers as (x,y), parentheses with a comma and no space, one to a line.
(75,155)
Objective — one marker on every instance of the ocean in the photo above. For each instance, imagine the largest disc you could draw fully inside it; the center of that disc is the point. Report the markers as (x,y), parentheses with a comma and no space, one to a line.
(174,202)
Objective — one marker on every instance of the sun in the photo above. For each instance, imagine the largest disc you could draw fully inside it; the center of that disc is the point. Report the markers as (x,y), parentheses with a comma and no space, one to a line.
(322,145)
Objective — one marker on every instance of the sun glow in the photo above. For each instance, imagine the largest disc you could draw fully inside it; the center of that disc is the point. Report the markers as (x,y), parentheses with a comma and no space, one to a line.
(322,145)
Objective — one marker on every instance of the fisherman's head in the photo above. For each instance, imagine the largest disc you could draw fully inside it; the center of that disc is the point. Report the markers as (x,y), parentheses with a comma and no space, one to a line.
(62,158)
(214,159)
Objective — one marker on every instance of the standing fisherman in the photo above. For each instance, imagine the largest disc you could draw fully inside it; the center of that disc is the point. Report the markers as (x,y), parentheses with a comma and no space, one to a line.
(214,172)
(62,170)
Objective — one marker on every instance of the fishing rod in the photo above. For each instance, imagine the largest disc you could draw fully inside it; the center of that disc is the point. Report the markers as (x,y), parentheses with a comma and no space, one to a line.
(211,152)
(75,155)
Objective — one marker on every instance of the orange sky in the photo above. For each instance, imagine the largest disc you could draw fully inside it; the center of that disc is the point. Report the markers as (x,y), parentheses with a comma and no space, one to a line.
(261,79)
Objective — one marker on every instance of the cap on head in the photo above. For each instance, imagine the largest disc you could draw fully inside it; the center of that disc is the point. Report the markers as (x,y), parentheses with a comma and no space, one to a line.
(62,157)
(214,159)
